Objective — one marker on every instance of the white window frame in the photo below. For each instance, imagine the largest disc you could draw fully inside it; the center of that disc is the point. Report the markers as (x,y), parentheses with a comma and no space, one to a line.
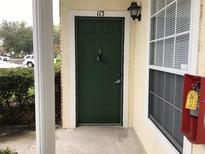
(192,69)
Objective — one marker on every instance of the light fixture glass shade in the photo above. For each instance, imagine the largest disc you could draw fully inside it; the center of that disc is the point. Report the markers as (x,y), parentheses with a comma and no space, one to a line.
(135,11)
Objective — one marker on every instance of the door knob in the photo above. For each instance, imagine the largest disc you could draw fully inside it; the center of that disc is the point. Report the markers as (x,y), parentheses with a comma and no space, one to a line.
(117,81)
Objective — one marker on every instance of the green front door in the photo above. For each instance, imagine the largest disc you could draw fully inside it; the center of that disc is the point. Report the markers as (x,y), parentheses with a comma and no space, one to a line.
(99,63)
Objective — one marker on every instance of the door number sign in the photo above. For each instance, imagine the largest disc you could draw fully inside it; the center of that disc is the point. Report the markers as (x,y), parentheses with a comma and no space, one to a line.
(100,13)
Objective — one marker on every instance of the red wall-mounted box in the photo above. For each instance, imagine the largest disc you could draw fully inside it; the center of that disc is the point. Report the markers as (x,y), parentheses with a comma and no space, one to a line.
(194,127)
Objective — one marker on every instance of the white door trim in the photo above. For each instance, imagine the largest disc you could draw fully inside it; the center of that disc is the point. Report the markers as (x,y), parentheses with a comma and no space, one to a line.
(72,64)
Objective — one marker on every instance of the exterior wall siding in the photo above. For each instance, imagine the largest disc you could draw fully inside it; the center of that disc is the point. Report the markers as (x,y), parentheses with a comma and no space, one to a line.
(139,37)
(200,149)
(201,61)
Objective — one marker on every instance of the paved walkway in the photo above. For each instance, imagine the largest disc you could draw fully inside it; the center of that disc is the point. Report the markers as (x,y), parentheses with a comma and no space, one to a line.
(83,140)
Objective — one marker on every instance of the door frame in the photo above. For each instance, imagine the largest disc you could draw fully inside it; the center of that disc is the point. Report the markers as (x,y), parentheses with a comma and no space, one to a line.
(72,102)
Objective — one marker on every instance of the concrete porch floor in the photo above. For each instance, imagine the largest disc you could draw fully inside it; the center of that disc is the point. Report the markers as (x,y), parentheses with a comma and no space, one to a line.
(82,140)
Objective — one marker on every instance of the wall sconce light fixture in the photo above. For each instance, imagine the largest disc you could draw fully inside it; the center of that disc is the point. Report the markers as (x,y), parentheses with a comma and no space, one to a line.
(135,11)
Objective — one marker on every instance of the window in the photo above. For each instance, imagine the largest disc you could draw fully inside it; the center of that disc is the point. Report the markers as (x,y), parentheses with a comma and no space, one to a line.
(165,104)
(170,32)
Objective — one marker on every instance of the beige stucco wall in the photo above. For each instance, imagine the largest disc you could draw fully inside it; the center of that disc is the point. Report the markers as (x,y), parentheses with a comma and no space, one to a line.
(137,68)
(200,149)
(201,57)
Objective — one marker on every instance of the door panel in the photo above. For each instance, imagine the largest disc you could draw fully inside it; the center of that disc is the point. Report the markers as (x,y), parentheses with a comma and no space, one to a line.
(99,99)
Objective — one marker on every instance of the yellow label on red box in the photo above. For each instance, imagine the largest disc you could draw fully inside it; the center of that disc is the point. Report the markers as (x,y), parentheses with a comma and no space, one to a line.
(192,100)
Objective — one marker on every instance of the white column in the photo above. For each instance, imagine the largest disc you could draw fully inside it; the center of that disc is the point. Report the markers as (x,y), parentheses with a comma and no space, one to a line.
(44,76)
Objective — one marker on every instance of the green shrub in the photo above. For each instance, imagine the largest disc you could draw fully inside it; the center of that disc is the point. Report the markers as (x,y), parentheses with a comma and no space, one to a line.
(17,96)
(58,64)
(15,102)
(14,85)
(7,151)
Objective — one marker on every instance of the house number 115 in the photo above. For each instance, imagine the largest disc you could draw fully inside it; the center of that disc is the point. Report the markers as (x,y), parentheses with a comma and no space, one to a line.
(100,13)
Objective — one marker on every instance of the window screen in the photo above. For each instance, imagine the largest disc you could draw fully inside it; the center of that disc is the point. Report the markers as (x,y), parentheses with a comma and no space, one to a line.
(165,104)
(169,51)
